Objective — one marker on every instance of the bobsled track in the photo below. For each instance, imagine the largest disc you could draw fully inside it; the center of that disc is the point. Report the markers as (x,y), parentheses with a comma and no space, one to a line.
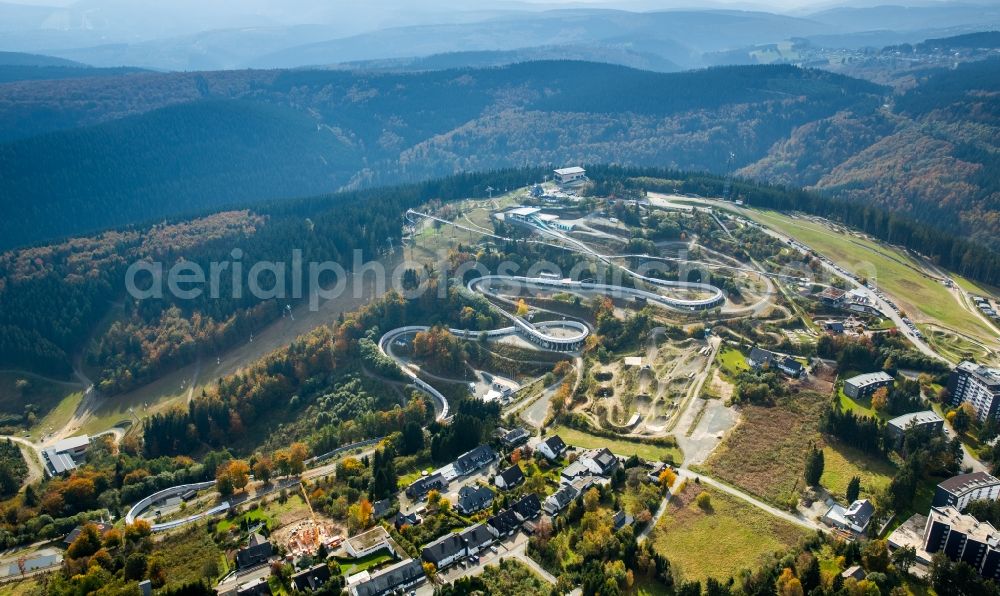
(552,335)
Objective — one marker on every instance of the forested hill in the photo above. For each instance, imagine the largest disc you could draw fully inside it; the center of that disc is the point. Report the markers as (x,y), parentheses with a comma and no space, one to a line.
(87,154)
(932,154)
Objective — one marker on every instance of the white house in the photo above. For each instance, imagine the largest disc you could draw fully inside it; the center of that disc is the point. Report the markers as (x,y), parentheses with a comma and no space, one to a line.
(368,542)
(552,447)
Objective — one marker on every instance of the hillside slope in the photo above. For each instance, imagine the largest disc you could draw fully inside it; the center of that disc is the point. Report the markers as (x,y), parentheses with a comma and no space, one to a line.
(198,141)
(934,155)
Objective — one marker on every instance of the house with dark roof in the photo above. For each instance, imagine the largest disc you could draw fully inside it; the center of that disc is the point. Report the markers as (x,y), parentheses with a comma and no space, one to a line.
(475,459)
(527,507)
(854,572)
(381,508)
(311,579)
(621,520)
(473,498)
(853,519)
(552,447)
(760,358)
(514,437)
(444,551)
(425,484)
(405,519)
(476,538)
(601,462)
(401,576)
(834,326)
(560,499)
(959,491)
(102,529)
(503,524)
(509,478)
(257,551)
(254,587)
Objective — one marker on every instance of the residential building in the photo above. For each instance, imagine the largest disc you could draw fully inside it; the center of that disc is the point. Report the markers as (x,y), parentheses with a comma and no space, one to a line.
(569,175)
(102,529)
(560,499)
(311,579)
(552,447)
(600,462)
(509,478)
(855,572)
(959,491)
(257,551)
(834,326)
(503,524)
(475,459)
(963,538)
(575,470)
(655,469)
(527,507)
(405,519)
(366,543)
(254,587)
(401,576)
(977,385)
(621,520)
(514,437)
(444,551)
(473,498)
(476,538)
(760,358)
(425,484)
(927,419)
(381,508)
(853,519)
(863,386)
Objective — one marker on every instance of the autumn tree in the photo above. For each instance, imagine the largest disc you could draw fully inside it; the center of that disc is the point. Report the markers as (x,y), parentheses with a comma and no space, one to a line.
(667,478)
(359,515)
(880,399)
(263,468)
(137,530)
(788,584)
(232,476)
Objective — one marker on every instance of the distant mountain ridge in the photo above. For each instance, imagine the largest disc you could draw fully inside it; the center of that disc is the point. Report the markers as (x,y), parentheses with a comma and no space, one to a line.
(192,141)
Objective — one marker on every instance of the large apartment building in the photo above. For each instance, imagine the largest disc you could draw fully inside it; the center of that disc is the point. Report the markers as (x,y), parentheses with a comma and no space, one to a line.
(977,385)
(963,538)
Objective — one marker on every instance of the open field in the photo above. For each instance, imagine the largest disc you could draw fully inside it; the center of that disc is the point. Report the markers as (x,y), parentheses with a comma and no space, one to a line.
(843,462)
(731,535)
(897,273)
(731,362)
(765,453)
(646,451)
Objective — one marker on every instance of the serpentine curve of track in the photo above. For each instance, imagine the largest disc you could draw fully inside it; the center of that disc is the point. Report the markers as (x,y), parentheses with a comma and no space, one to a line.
(573,332)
